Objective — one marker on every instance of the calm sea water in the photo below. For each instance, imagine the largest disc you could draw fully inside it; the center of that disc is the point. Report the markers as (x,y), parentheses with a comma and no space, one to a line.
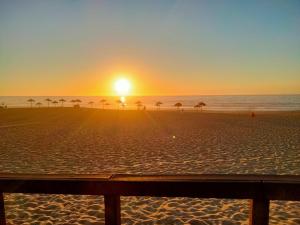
(219,103)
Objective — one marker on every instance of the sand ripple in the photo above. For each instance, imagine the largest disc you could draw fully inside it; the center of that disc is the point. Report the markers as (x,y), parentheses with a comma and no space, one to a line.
(92,141)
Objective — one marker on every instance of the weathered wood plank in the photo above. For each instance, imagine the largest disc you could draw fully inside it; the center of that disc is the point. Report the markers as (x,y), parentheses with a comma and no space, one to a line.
(2,210)
(260,188)
(202,186)
(112,210)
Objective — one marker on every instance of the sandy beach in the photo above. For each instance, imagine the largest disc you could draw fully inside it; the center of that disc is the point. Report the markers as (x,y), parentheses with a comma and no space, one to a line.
(67,140)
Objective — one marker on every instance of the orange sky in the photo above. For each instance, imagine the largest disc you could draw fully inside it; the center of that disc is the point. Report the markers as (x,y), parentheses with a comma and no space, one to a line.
(162,47)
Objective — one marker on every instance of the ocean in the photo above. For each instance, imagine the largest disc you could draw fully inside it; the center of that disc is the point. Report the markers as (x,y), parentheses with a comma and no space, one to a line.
(213,102)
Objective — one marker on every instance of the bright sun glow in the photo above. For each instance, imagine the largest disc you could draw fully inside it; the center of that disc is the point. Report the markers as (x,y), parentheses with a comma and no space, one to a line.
(122,87)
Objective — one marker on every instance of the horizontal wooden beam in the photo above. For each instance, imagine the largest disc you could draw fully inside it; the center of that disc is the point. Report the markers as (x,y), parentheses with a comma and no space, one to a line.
(201,186)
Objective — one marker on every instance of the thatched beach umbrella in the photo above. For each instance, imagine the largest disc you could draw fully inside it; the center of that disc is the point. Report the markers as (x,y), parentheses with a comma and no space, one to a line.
(197,106)
(38,104)
(73,101)
(157,104)
(3,105)
(102,101)
(78,101)
(31,101)
(138,104)
(62,102)
(91,103)
(178,105)
(55,102)
(48,100)
(201,104)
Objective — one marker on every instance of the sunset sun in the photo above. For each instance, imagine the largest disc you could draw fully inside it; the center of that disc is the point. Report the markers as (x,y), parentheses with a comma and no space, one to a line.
(122,87)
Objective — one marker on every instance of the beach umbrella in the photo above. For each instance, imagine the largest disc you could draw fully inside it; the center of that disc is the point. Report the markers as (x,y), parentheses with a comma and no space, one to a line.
(48,100)
(178,105)
(73,101)
(201,104)
(197,106)
(91,103)
(138,104)
(157,104)
(55,102)
(62,101)
(31,101)
(78,101)
(2,106)
(102,101)
(38,104)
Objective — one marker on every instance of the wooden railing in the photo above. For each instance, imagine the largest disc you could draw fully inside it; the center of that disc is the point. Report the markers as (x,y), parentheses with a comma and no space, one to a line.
(259,189)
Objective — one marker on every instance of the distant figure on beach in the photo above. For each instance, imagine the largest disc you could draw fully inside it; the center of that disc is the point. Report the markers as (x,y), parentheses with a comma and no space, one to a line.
(252,114)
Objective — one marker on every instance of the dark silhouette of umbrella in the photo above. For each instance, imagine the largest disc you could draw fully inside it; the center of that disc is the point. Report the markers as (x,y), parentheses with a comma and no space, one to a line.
(62,102)
(78,101)
(38,104)
(102,101)
(157,104)
(197,106)
(48,100)
(138,104)
(201,104)
(178,105)
(55,102)
(31,101)
(91,103)
(74,102)
(3,105)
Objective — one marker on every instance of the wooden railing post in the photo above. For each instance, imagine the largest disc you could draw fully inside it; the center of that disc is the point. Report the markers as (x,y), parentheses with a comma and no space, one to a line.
(259,211)
(2,210)
(112,210)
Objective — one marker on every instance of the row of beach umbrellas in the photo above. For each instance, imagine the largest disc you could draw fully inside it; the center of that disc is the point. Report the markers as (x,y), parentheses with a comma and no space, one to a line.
(103,102)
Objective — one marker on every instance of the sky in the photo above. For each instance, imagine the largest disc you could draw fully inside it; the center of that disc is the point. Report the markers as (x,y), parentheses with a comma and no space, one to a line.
(164,47)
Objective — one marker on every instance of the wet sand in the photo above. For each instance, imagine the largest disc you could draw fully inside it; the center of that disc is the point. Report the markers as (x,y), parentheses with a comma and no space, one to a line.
(66,140)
